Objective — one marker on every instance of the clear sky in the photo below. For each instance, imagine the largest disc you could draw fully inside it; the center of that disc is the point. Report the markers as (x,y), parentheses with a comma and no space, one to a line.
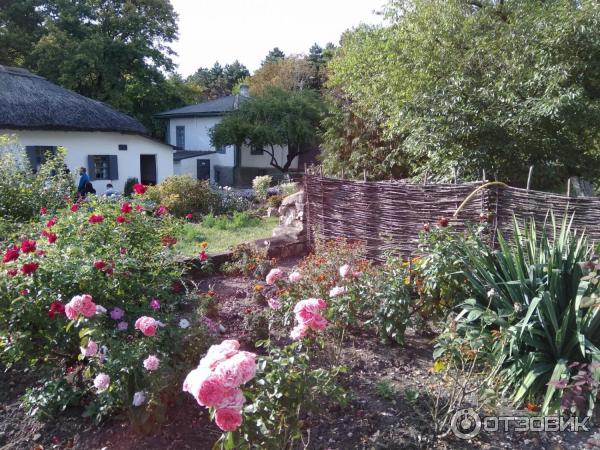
(226,30)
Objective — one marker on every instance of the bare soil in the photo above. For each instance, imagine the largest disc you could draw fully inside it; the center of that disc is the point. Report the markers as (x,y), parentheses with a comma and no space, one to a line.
(379,415)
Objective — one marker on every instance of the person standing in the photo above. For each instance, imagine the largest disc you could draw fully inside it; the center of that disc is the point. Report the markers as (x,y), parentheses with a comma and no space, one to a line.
(83,180)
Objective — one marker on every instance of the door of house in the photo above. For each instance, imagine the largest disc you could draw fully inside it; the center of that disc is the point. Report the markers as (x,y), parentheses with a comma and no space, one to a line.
(148,169)
(203,169)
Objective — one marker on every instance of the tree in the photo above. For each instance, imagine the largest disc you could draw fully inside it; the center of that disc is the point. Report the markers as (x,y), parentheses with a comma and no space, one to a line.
(477,85)
(219,81)
(275,118)
(291,73)
(115,51)
(273,55)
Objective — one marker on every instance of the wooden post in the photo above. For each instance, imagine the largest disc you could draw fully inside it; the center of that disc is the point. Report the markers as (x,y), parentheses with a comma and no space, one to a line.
(569,188)
(321,171)
(342,173)
(529,177)
(484,175)
(455,172)
(425,176)
(365,174)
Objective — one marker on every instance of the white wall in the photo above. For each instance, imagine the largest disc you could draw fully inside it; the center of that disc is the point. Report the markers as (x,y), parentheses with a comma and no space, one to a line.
(196,131)
(190,166)
(264,160)
(80,144)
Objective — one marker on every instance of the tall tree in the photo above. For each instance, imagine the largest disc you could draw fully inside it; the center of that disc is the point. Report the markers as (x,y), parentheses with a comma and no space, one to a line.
(478,85)
(219,81)
(275,118)
(273,55)
(291,73)
(111,50)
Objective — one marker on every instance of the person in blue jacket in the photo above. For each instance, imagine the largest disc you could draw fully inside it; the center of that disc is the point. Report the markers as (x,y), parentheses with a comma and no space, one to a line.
(83,180)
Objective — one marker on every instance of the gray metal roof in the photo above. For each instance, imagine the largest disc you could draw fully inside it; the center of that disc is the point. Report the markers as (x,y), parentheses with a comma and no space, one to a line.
(28,101)
(216,107)
(185,154)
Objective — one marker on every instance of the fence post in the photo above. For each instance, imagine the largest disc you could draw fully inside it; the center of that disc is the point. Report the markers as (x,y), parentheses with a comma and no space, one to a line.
(425,176)
(484,175)
(529,177)
(569,188)
(342,173)
(365,175)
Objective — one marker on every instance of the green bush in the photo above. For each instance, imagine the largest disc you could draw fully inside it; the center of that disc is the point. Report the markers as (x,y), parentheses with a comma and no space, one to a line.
(261,186)
(121,255)
(22,192)
(182,194)
(274,201)
(532,298)
(288,188)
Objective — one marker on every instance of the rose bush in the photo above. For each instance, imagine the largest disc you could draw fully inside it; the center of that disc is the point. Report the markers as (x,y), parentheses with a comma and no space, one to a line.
(90,295)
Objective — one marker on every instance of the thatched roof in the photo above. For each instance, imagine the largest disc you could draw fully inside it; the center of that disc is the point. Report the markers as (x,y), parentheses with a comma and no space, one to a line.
(31,102)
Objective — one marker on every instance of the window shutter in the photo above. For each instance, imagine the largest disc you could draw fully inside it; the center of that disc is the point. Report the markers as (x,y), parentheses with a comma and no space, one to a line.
(91,168)
(113,167)
(30,150)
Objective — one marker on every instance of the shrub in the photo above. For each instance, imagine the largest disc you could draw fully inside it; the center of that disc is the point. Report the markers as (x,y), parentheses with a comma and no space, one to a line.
(532,298)
(288,188)
(182,194)
(274,201)
(261,186)
(121,256)
(128,188)
(22,192)
(231,201)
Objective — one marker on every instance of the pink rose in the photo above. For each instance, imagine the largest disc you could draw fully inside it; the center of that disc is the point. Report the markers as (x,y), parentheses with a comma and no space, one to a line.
(151,363)
(295,277)
(337,291)
(237,370)
(228,419)
(274,303)
(344,270)
(147,325)
(194,380)
(235,401)
(212,391)
(101,382)
(218,353)
(298,332)
(274,275)
(90,349)
(88,308)
(80,304)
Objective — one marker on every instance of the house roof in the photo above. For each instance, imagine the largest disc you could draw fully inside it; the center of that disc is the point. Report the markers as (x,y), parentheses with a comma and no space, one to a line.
(185,154)
(28,101)
(216,107)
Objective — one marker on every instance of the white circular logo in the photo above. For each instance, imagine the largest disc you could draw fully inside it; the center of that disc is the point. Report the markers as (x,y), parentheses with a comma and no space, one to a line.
(466,424)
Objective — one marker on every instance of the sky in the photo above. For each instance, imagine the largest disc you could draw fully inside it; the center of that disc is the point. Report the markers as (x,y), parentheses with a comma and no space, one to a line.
(226,30)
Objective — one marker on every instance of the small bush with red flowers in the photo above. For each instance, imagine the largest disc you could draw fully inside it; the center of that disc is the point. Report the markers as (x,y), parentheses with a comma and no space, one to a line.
(91,299)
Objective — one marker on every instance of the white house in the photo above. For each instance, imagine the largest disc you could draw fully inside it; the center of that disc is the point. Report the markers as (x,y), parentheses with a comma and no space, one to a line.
(188,130)
(111,145)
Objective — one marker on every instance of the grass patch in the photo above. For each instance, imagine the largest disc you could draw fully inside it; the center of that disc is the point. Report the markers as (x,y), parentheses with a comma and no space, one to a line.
(223,232)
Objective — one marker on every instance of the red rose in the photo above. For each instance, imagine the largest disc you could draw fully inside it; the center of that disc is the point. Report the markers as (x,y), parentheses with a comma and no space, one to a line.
(161,210)
(122,219)
(11,254)
(11,272)
(139,188)
(56,308)
(28,246)
(139,208)
(189,216)
(41,252)
(426,227)
(443,222)
(43,211)
(74,207)
(126,208)
(24,291)
(99,264)
(203,256)
(29,268)
(109,271)
(96,218)
(51,222)
(51,238)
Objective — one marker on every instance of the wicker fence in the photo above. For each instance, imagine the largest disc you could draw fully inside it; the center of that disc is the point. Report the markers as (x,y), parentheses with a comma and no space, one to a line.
(389,215)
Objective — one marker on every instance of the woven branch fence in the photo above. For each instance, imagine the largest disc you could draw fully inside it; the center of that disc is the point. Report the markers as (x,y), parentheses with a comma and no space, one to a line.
(388,215)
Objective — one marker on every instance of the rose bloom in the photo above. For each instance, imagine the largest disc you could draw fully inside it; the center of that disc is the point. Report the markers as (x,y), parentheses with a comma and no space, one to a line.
(90,349)
(139,398)
(151,363)
(236,370)
(11,254)
(11,272)
(228,419)
(344,270)
(52,222)
(43,211)
(56,308)
(218,353)
(122,326)
(154,304)
(74,207)
(295,277)
(51,238)
(184,323)
(116,313)
(338,290)
(100,264)
(122,219)
(80,304)
(126,208)
(443,222)
(96,218)
(139,188)
(161,210)
(139,208)
(274,275)
(236,400)
(101,382)
(274,303)
(147,325)
(189,216)
(203,256)
(29,268)
(28,246)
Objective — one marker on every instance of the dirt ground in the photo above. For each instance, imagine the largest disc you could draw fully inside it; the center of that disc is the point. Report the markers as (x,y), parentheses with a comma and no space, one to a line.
(378,416)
